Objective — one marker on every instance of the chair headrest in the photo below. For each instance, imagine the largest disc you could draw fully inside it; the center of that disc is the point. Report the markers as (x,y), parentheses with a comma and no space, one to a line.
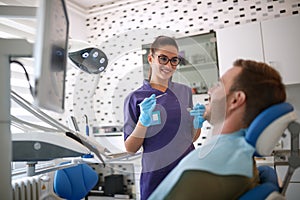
(74,182)
(267,128)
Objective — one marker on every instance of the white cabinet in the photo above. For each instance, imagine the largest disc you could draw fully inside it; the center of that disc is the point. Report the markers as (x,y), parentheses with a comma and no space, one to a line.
(276,42)
(281,40)
(242,41)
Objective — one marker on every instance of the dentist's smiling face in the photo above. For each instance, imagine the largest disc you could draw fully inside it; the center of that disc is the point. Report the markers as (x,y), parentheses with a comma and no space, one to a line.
(164,63)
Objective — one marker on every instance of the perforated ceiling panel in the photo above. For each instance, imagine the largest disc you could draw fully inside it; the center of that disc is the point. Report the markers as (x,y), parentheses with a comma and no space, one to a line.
(120,29)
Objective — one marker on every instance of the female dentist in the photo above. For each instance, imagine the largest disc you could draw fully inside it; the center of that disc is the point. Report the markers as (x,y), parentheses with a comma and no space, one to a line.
(157,117)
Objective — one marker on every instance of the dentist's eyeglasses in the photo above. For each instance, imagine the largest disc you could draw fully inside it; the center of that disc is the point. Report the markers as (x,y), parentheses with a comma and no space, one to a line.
(163,60)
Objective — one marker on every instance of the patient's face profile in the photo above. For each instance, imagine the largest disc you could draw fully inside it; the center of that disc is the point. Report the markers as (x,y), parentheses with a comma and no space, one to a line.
(216,110)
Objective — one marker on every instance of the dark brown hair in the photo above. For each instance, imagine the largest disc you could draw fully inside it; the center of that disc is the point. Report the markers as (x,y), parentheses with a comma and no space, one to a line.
(161,41)
(262,85)
(158,43)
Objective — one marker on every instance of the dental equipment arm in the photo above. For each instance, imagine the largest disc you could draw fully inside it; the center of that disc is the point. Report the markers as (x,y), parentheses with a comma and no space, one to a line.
(88,142)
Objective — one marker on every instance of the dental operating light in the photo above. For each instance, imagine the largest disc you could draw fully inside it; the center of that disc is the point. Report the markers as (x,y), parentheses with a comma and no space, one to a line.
(91,60)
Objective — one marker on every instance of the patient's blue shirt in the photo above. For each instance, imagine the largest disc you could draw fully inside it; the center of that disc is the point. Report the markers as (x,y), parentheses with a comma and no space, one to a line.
(224,154)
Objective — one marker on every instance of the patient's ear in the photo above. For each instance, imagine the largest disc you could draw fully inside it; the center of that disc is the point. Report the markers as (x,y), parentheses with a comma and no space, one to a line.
(238,99)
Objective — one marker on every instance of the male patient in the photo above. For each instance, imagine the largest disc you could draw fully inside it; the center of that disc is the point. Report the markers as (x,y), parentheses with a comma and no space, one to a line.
(224,168)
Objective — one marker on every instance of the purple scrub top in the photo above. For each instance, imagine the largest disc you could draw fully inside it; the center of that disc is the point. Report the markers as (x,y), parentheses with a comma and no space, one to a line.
(169,139)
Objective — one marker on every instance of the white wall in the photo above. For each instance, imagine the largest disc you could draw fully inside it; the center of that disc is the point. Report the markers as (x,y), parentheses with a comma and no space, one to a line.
(77,18)
(120,30)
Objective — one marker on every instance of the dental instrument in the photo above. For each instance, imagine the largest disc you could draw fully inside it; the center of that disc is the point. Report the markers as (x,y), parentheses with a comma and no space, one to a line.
(87,132)
(160,95)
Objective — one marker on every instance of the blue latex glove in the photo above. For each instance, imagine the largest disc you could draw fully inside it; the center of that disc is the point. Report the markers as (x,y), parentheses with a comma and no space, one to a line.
(198,112)
(146,107)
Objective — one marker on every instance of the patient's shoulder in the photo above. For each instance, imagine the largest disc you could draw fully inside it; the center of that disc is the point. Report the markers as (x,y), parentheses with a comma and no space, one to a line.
(196,183)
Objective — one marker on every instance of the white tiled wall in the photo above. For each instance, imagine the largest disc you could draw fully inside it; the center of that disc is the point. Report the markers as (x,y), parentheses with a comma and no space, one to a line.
(120,29)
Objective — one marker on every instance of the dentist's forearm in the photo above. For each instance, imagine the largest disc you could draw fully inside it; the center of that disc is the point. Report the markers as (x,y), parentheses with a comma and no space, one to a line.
(134,142)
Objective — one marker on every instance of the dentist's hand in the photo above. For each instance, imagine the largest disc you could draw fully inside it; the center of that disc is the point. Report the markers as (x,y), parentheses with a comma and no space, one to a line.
(198,112)
(146,107)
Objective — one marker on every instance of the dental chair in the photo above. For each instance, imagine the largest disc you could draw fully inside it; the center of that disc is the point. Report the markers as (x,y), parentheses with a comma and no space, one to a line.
(74,183)
(263,134)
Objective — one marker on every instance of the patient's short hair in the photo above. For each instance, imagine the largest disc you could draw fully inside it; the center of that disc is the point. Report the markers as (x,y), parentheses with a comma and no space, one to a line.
(262,85)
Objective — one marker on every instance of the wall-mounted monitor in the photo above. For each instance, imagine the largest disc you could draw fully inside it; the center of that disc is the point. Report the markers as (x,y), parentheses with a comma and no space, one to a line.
(50,55)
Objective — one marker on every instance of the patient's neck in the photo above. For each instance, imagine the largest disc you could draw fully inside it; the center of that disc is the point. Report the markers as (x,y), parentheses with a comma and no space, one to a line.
(227,127)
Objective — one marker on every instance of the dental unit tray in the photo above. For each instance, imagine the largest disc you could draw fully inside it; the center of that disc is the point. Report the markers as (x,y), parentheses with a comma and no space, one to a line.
(62,140)
(44,146)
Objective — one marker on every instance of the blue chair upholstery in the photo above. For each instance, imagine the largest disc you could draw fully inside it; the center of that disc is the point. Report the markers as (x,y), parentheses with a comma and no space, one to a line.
(269,184)
(74,183)
(267,128)
(263,134)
